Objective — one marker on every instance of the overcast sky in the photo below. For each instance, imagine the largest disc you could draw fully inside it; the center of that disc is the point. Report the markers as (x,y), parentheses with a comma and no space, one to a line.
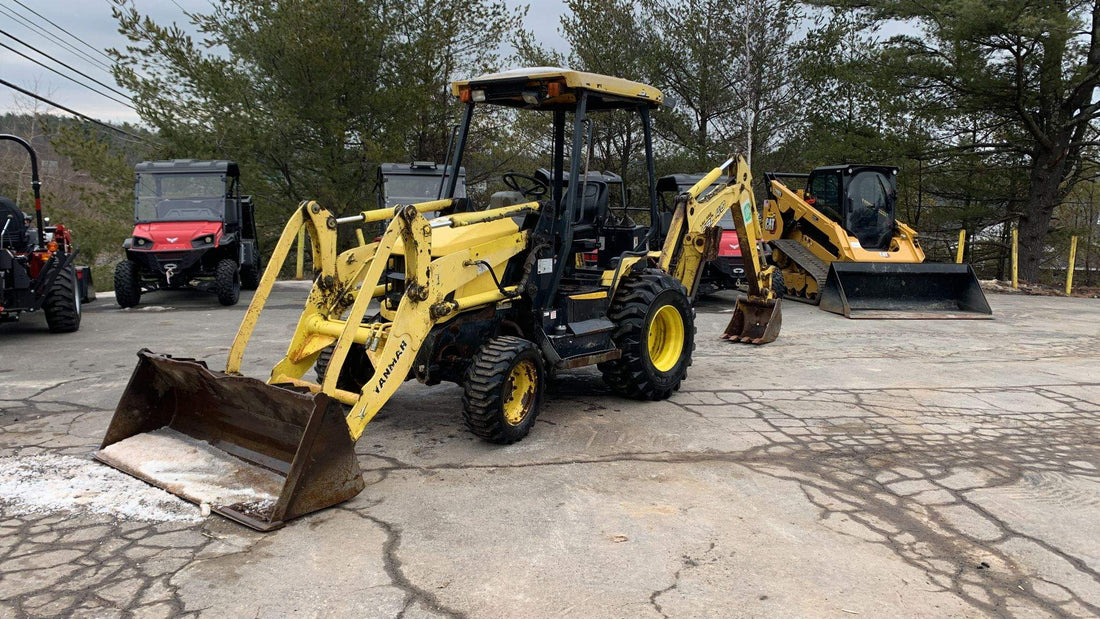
(90,20)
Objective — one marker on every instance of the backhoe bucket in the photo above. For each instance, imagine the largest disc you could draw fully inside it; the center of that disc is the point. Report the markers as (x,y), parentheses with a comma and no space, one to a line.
(897,290)
(255,453)
(754,321)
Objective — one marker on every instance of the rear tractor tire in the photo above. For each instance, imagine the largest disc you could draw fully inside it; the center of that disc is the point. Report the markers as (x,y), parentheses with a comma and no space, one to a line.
(62,304)
(227,280)
(127,284)
(655,329)
(503,390)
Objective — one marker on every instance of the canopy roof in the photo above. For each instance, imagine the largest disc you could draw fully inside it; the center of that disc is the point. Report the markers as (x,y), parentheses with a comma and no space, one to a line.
(188,166)
(530,88)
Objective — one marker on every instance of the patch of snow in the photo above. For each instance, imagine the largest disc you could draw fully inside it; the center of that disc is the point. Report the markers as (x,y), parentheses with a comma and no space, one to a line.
(195,470)
(49,483)
(147,308)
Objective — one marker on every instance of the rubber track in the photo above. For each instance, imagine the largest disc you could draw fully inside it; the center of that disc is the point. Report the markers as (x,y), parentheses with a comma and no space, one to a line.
(816,267)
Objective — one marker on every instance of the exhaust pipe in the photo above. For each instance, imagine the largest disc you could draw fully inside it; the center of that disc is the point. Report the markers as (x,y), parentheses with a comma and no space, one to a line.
(255,453)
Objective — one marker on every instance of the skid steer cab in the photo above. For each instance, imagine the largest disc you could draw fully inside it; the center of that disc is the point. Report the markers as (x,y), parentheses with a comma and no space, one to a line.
(37,262)
(193,228)
(492,299)
(839,244)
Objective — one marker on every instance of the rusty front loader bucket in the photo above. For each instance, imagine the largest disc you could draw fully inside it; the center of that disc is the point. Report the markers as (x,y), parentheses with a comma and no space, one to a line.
(909,291)
(255,453)
(754,321)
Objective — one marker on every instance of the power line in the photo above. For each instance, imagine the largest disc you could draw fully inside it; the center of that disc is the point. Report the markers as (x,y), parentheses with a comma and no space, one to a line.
(54,38)
(71,111)
(55,25)
(77,71)
(71,79)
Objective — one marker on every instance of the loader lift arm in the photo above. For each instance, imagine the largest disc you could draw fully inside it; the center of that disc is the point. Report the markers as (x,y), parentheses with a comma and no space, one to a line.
(392,346)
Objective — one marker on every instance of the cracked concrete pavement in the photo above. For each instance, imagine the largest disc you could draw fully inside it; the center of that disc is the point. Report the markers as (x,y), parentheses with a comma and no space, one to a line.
(852,467)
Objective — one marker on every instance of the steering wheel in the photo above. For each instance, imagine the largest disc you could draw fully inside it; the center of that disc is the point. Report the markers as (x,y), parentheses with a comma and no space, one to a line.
(533,188)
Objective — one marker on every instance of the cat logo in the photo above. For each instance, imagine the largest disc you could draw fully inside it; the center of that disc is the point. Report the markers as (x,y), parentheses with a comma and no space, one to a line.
(769,224)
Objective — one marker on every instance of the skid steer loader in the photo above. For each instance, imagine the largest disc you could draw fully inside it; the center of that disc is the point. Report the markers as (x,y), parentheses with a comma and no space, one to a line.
(492,300)
(838,244)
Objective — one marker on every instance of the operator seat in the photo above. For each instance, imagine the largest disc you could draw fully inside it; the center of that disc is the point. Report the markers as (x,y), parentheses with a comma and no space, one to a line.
(591,210)
(16,237)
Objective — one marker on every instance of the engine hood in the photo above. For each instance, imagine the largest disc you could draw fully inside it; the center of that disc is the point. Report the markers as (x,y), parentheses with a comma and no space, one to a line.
(176,235)
(730,246)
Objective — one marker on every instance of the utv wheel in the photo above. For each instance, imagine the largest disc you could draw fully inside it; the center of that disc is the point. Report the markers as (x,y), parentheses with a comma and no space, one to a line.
(250,276)
(62,304)
(127,284)
(778,285)
(503,390)
(355,373)
(655,329)
(227,279)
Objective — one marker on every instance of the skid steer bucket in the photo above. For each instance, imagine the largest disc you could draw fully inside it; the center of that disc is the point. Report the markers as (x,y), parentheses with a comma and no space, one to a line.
(754,321)
(906,291)
(256,453)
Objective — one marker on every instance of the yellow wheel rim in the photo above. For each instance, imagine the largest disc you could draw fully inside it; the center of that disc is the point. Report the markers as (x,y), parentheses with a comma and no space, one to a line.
(519,392)
(666,338)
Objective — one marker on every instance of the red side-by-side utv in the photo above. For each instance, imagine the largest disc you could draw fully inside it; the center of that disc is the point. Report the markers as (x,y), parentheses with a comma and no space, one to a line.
(193,229)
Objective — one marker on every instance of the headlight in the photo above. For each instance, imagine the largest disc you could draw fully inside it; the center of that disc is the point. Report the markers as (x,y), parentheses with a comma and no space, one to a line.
(142,243)
(205,240)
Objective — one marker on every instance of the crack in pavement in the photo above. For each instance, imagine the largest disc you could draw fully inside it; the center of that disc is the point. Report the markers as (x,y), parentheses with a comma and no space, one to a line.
(879,465)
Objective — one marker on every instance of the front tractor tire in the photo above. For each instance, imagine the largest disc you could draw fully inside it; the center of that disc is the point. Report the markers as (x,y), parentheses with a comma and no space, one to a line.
(655,329)
(62,304)
(503,390)
(227,281)
(127,284)
(355,372)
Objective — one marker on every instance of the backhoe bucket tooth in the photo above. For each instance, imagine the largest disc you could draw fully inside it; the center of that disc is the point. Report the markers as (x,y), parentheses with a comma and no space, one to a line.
(910,291)
(256,453)
(755,321)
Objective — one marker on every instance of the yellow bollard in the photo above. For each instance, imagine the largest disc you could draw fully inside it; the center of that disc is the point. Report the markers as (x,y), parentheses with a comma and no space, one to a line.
(298,273)
(1015,257)
(962,244)
(1072,259)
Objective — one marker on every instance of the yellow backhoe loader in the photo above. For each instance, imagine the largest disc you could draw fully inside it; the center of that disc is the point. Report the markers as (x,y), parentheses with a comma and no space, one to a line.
(493,300)
(838,244)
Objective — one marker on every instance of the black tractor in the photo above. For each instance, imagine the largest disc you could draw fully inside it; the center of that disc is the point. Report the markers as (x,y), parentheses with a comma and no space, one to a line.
(193,228)
(37,269)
